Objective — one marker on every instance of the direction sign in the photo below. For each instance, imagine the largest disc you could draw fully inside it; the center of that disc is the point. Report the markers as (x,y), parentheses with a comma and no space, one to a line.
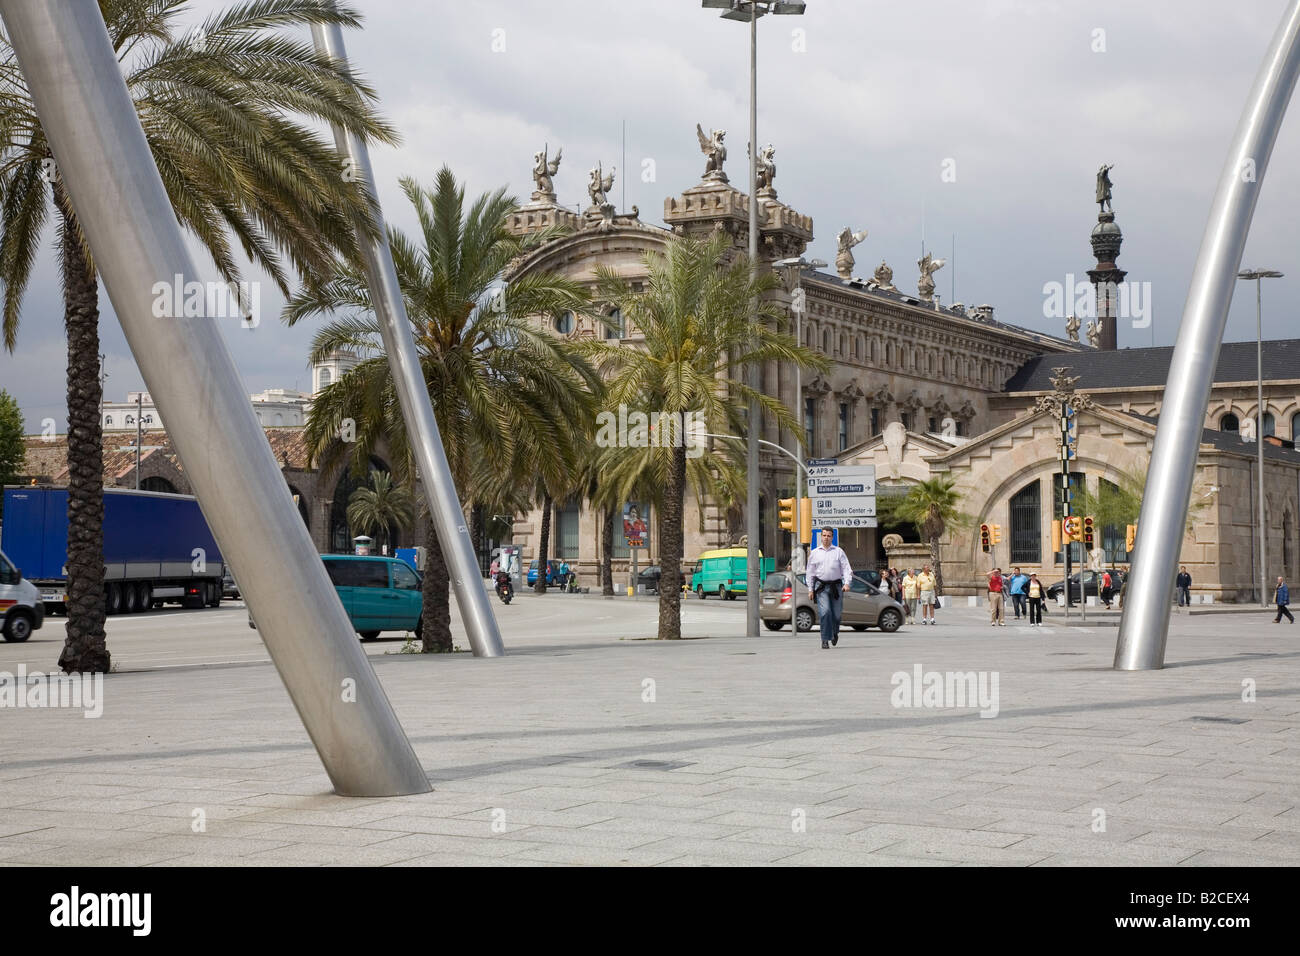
(826,508)
(822,462)
(841,471)
(836,485)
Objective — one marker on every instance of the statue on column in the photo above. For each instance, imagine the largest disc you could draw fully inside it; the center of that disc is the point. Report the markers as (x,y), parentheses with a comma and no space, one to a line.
(1094,333)
(1103,188)
(765,171)
(925,285)
(1072,325)
(711,146)
(844,260)
(543,169)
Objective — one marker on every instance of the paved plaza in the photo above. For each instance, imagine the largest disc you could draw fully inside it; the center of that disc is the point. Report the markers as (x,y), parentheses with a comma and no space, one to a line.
(582,748)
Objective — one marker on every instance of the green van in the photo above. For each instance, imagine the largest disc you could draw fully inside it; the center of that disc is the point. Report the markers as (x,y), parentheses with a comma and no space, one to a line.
(379,594)
(724,572)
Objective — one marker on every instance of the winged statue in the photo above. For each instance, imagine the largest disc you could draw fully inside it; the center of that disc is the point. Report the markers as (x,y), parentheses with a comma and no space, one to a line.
(599,185)
(844,260)
(711,146)
(925,285)
(544,168)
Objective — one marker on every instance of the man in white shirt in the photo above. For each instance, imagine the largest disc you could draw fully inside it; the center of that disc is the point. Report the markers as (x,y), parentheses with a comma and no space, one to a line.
(828,576)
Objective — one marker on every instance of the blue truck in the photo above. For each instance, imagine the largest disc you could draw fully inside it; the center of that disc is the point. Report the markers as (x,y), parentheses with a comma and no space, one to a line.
(157,548)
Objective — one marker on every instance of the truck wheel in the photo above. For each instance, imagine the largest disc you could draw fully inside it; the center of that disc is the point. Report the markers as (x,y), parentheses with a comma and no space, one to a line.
(113,599)
(129,597)
(19,627)
(214,595)
(144,597)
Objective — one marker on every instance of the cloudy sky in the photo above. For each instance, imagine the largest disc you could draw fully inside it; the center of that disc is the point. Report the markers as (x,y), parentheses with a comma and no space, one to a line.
(868,105)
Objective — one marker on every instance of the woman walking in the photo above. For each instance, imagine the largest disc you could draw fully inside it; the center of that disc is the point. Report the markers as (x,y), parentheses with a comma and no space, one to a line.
(1035,591)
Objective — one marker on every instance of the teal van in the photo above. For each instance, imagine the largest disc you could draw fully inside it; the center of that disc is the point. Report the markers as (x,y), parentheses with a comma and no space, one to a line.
(379,594)
(724,572)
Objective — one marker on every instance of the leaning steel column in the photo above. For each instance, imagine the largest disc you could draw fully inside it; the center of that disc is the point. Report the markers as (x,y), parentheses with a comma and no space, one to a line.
(106,166)
(412,392)
(1145,624)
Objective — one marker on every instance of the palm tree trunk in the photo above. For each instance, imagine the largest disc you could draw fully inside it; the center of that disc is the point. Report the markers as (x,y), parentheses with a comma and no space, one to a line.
(938,566)
(84,649)
(670,550)
(544,546)
(607,552)
(435,632)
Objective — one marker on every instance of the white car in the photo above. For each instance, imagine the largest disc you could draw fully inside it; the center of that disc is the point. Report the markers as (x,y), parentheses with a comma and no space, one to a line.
(21,609)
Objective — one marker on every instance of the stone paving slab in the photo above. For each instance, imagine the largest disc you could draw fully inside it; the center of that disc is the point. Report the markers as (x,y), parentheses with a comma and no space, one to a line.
(777,753)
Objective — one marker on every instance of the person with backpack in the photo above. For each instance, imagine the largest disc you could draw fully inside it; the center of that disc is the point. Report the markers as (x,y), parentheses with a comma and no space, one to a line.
(1283,597)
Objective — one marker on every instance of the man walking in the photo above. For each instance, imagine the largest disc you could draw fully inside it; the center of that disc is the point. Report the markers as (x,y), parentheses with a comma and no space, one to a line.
(1184,582)
(1019,582)
(925,585)
(995,599)
(1283,597)
(828,576)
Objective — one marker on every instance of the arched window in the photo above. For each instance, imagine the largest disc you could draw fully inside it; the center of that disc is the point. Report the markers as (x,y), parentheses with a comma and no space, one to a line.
(340,540)
(108,419)
(1027,525)
(564,323)
(157,483)
(826,341)
(1269,424)
(615,329)
(1229,423)
(302,505)
(279,418)
(1295,426)
(889,353)
(945,366)
(875,351)
(325,379)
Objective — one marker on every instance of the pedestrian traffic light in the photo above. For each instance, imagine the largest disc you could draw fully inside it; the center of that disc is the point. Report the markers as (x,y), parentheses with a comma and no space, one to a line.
(997,533)
(1089,538)
(985,538)
(787,513)
(1130,537)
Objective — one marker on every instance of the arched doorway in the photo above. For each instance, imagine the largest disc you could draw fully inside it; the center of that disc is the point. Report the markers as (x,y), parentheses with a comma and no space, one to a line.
(340,535)
(157,483)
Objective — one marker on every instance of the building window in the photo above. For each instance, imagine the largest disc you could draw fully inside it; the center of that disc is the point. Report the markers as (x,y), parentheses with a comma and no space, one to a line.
(1026,525)
(108,419)
(934,425)
(826,341)
(875,421)
(906,419)
(325,379)
(1295,427)
(566,530)
(1269,425)
(809,421)
(1229,423)
(615,329)
(1112,536)
(844,426)
(961,427)
(564,322)
(157,483)
(1077,481)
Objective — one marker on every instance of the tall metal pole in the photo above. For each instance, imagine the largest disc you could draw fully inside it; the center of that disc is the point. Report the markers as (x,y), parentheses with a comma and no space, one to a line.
(1259,440)
(1144,626)
(752,583)
(798,404)
(107,168)
(139,435)
(413,395)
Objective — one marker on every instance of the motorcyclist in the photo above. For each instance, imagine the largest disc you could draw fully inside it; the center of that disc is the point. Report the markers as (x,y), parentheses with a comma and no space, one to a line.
(504,584)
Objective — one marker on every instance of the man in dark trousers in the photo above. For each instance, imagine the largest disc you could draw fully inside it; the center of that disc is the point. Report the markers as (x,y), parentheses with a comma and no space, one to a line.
(1283,598)
(1184,582)
(828,577)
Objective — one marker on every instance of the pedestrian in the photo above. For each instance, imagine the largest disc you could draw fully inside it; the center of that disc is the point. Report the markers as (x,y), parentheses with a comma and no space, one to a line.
(828,576)
(1283,597)
(564,575)
(1107,588)
(910,591)
(1034,591)
(1018,582)
(1184,582)
(995,599)
(496,566)
(886,583)
(925,586)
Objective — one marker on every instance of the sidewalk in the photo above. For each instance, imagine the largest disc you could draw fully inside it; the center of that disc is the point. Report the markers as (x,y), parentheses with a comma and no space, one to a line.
(725,750)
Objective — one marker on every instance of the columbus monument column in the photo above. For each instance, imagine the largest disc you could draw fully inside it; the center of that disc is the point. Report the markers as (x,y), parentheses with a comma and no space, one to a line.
(1106,240)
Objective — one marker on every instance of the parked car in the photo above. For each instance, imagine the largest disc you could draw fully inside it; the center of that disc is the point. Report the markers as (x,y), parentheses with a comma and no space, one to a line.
(379,593)
(21,608)
(648,578)
(552,573)
(725,573)
(1091,585)
(785,596)
(229,586)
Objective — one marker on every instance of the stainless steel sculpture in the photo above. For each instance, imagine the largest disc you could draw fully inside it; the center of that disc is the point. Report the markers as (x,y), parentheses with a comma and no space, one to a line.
(1145,624)
(413,394)
(109,173)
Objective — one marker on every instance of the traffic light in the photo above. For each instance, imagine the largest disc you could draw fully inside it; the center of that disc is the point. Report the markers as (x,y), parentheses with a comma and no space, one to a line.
(997,533)
(1130,537)
(805,520)
(787,513)
(985,538)
(1056,536)
(1088,537)
(1071,529)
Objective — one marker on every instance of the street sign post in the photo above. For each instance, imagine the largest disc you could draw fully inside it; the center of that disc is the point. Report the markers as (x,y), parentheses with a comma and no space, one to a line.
(843,496)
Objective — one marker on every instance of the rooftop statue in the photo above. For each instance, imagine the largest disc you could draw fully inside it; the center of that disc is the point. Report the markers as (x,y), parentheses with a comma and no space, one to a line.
(598,185)
(1072,325)
(844,260)
(543,169)
(928,266)
(711,146)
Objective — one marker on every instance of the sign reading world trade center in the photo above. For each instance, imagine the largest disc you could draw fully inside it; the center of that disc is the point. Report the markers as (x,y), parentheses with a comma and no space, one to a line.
(843,496)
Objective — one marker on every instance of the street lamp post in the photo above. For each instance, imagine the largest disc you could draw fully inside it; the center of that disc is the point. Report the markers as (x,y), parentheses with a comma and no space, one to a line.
(1258,275)
(749,11)
(795,266)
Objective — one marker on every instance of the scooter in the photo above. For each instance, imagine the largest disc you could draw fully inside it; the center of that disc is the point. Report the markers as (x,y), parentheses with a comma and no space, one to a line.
(505,588)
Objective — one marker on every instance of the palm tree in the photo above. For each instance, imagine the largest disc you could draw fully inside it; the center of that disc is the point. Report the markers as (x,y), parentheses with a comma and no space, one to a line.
(383,507)
(932,506)
(228,110)
(503,389)
(701,333)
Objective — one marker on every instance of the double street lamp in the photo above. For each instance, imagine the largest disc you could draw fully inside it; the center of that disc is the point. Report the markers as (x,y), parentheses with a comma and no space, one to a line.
(794,280)
(748,11)
(1258,275)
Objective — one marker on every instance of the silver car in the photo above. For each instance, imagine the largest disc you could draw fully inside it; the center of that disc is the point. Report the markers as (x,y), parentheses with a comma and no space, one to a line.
(785,595)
